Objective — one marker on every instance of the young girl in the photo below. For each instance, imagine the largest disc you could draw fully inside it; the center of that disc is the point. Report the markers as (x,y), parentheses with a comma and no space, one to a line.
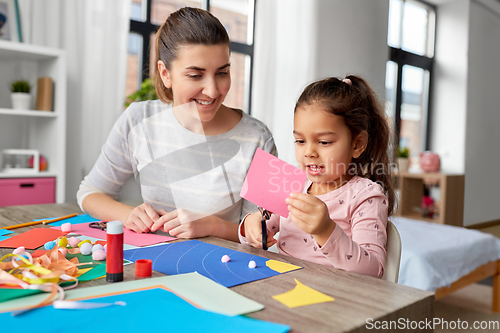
(190,152)
(340,219)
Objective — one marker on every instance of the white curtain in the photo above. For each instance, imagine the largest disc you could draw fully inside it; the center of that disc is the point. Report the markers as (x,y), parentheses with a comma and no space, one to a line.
(94,34)
(285,62)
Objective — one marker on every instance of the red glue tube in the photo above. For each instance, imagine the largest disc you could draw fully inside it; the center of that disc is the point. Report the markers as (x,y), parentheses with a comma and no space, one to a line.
(114,256)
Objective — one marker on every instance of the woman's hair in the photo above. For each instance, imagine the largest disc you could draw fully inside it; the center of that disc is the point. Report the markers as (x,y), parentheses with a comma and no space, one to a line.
(186,26)
(357,103)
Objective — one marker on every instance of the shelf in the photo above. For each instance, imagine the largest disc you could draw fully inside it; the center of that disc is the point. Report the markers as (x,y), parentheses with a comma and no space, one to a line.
(41,174)
(411,190)
(29,113)
(22,51)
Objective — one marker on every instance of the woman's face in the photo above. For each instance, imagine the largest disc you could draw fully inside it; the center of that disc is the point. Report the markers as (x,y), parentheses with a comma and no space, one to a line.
(200,74)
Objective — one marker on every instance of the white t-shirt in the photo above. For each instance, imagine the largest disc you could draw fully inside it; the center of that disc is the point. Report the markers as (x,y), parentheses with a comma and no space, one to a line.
(175,167)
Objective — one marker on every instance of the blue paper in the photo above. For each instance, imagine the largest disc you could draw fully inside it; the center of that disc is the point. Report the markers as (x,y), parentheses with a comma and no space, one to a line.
(83,218)
(3,238)
(5,232)
(196,256)
(151,310)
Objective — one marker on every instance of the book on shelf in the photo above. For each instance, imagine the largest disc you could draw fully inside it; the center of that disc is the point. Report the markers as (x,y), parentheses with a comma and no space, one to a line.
(44,94)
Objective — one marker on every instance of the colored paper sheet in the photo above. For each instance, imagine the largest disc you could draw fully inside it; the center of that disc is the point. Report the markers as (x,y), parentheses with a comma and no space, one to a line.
(7,294)
(209,297)
(97,240)
(302,295)
(270,181)
(4,232)
(32,239)
(3,238)
(162,305)
(129,237)
(281,267)
(83,218)
(196,256)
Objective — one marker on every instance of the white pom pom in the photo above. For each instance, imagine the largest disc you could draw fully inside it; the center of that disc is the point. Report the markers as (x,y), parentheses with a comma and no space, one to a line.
(252,264)
(86,249)
(225,258)
(97,247)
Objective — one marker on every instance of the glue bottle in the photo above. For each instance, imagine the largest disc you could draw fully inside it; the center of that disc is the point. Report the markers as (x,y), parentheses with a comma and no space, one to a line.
(114,256)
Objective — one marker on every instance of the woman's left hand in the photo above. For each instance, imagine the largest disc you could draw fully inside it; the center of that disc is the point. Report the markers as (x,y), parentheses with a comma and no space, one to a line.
(175,224)
(311,215)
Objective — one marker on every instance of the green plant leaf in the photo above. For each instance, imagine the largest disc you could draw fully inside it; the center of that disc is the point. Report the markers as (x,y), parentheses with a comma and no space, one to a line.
(21,86)
(146,93)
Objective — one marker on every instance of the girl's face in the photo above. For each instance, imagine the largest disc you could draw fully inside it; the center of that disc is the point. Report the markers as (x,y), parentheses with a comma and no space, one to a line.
(200,74)
(324,147)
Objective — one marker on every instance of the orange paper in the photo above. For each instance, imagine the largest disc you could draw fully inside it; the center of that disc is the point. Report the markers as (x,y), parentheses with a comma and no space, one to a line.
(32,239)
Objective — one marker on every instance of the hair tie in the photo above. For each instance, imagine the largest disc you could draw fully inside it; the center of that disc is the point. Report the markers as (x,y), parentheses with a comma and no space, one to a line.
(348,81)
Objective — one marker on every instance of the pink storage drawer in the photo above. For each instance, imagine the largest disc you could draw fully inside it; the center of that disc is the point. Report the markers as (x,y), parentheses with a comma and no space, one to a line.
(27,191)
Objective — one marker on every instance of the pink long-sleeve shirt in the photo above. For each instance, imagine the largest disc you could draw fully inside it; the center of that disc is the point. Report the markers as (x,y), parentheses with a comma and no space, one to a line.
(360,209)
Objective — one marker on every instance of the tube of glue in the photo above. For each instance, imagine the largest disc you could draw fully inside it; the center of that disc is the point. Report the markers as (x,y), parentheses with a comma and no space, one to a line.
(114,256)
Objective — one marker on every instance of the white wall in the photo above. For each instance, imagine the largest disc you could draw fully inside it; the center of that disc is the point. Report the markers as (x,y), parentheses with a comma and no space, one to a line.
(352,39)
(449,95)
(482,144)
(298,42)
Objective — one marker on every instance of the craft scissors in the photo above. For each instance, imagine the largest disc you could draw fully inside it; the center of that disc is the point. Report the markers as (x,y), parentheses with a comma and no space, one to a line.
(266,215)
(98,225)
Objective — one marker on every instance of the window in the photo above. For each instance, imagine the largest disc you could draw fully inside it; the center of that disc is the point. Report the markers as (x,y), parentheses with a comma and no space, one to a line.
(237,16)
(408,73)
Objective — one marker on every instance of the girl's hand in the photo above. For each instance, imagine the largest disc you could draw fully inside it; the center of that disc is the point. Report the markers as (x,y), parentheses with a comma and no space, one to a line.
(142,218)
(311,215)
(252,229)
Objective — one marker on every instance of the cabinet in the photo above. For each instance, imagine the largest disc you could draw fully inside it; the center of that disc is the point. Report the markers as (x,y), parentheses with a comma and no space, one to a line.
(44,131)
(450,202)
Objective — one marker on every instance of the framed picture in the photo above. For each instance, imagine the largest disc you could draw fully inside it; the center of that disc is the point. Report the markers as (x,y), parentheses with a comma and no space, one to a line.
(10,25)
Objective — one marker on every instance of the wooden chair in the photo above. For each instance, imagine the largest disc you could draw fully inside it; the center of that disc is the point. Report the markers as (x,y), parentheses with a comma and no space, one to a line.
(393,249)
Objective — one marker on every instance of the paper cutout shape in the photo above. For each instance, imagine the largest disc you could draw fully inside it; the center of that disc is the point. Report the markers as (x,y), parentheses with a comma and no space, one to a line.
(281,267)
(7,294)
(302,295)
(129,237)
(5,232)
(3,238)
(83,218)
(270,181)
(32,239)
(204,292)
(196,256)
(161,303)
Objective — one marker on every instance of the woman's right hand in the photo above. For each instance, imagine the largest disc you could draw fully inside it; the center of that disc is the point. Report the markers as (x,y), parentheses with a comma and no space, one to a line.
(142,218)
(252,229)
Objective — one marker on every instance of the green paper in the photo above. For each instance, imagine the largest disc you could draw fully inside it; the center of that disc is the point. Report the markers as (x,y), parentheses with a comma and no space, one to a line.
(7,294)
(206,293)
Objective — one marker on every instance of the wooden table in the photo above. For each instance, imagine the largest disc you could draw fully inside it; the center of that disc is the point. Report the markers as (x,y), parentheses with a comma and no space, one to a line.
(357,298)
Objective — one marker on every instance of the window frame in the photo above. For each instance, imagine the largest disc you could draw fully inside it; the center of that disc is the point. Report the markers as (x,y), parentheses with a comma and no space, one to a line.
(146,28)
(401,57)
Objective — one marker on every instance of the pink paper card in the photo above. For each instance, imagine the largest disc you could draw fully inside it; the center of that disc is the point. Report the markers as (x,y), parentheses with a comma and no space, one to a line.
(129,237)
(270,181)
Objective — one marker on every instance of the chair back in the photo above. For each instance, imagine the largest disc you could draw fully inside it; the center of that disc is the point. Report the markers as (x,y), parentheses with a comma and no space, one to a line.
(393,258)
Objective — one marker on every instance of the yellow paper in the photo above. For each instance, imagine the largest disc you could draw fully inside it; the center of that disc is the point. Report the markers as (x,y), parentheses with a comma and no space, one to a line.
(281,267)
(82,271)
(302,295)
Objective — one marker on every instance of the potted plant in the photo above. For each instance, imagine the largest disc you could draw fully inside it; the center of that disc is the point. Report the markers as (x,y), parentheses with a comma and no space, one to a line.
(146,93)
(403,159)
(20,95)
